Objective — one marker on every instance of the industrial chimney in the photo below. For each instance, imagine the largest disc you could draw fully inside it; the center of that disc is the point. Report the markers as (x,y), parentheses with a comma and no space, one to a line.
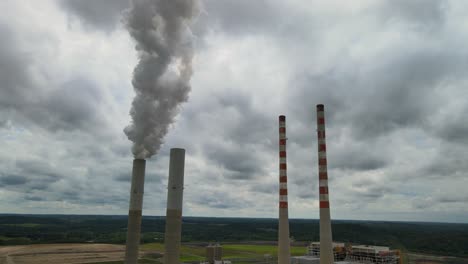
(134,212)
(326,248)
(283,229)
(174,206)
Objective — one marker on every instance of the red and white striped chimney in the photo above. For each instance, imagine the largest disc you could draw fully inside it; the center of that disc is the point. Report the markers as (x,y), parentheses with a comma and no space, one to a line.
(283,225)
(326,247)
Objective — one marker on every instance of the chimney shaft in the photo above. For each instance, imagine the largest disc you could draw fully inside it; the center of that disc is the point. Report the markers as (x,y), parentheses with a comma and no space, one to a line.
(174,206)
(326,248)
(134,212)
(283,225)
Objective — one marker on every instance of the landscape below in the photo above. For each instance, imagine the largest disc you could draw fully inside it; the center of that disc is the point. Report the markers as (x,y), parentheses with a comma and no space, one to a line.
(442,239)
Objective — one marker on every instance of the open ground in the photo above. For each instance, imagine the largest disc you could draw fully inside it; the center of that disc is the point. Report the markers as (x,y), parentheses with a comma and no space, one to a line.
(152,252)
(107,253)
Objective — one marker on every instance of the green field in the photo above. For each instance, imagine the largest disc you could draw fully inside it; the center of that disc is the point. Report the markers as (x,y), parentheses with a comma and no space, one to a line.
(230,251)
(191,253)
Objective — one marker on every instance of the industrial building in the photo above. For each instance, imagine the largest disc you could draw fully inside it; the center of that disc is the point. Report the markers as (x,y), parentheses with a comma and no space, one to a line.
(373,254)
(214,255)
(343,254)
(339,250)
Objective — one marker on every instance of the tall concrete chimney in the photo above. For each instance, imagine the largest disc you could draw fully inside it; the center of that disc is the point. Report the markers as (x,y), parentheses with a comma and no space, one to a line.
(134,212)
(174,206)
(283,225)
(326,247)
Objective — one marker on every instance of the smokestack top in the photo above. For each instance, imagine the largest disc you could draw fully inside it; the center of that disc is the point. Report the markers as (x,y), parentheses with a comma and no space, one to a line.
(139,160)
(177,150)
(282,118)
(320,107)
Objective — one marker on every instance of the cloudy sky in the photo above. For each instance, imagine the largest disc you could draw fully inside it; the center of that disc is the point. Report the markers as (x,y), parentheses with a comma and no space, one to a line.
(392,76)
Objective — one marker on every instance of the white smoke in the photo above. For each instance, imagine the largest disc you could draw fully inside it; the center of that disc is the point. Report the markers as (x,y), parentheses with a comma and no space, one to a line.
(162,75)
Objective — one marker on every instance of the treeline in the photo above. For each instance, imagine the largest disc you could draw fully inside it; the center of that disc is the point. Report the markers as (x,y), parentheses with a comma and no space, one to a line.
(431,238)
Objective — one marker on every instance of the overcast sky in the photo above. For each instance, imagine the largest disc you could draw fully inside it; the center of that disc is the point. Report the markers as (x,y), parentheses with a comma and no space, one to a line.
(392,75)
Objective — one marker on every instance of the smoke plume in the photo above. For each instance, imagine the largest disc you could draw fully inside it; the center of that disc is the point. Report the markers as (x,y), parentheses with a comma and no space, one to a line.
(162,75)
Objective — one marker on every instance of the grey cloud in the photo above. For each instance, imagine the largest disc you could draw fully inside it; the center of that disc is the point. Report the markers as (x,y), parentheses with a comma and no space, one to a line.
(421,203)
(302,182)
(219,200)
(358,163)
(38,167)
(306,194)
(329,89)
(73,105)
(454,127)
(240,134)
(453,198)
(438,199)
(72,195)
(5,123)
(39,185)
(124,177)
(456,131)
(359,158)
(99,14)
(110,198)
(267,188)
(238,17)
(238,163)
(417,14)
(376,192)
(369,189)
(7,180)
(29,176)
(236,117)
(88,196)
(34,198)
(450,162)
(406,85)
(149,177)
(14,67)
(399,93)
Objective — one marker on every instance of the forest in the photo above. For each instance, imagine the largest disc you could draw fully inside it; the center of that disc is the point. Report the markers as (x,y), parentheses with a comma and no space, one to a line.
(422,237)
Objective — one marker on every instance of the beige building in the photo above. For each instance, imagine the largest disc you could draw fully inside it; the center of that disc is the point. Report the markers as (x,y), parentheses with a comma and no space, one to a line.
(214,253)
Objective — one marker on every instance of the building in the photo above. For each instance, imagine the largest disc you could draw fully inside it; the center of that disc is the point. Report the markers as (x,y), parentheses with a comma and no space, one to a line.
(343,254)
(214,253)
(339,250)
(373,254)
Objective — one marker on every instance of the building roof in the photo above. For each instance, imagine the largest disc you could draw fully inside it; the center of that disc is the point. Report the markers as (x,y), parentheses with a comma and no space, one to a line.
(335,244)
(376,249)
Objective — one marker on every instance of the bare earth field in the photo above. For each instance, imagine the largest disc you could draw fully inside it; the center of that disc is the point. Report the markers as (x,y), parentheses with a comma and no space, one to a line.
(97,253)
(61,253)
